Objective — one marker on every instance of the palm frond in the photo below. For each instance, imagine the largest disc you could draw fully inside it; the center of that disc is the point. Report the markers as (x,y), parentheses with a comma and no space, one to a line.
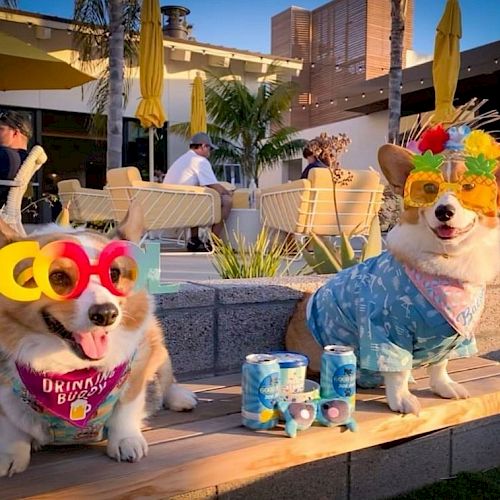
(10,4)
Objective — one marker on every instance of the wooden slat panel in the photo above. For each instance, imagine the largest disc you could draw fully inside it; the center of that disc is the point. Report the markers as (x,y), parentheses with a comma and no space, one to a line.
(208,460)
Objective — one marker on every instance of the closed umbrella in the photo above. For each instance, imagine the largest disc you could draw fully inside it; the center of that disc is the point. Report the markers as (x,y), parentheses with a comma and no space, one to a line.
(198,121)
(24,67)
(150,110)
(446,63)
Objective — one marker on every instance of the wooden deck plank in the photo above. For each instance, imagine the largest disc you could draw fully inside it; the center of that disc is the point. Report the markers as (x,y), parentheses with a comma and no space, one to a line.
(208,460)
(423,383)
(211,383)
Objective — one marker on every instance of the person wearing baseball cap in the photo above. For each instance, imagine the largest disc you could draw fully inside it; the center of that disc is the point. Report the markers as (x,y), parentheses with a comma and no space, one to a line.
(15,133)
(194,169)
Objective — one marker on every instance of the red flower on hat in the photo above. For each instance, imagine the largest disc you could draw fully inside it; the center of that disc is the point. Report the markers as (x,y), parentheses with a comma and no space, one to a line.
(433,139)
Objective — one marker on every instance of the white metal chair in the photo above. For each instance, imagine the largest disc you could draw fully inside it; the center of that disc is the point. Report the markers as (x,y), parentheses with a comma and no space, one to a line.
(307,205)
(165,206)
(11,211)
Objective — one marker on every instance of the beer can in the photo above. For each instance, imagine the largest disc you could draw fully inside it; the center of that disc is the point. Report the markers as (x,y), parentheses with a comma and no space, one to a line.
(260,389)
(338,374)
(293,366)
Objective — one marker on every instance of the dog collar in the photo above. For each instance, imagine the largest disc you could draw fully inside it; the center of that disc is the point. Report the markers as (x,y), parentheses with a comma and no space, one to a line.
(75,396)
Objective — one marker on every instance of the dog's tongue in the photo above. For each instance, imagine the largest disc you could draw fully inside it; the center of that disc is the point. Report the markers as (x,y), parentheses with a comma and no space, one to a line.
(446,231)
(94,343)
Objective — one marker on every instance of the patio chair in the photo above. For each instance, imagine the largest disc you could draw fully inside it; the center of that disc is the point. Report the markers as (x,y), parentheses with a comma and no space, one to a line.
(85,205)
(11,211)
(165,206)
(306,206)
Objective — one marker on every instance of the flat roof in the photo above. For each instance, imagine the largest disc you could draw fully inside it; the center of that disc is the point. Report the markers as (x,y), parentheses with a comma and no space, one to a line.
(55,22)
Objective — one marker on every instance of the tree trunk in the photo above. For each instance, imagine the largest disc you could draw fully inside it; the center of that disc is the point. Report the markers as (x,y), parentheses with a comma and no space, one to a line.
(398,11)
(116,64)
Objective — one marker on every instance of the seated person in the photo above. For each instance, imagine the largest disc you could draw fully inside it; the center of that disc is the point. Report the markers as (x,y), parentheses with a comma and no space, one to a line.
(15,132)
(312,162)
(194,169)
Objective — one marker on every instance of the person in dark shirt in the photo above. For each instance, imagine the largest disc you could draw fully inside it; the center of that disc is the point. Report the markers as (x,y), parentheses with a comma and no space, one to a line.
(15,132)
(312,162)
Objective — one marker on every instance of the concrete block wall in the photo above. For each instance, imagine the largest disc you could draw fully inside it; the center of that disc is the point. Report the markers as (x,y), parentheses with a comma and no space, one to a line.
(210,326)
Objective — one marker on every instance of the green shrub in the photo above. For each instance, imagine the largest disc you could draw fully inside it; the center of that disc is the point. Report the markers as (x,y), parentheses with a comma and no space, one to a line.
(261,259)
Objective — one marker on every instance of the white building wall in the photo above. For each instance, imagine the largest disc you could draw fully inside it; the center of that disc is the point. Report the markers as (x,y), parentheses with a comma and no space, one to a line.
(367,134)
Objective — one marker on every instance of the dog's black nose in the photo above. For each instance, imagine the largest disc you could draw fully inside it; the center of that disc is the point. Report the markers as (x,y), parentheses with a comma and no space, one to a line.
(444,212)
(103,314)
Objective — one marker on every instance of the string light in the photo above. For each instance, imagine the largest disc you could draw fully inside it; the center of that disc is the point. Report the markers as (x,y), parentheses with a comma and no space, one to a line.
(337,67)
(312,65)
(333,101)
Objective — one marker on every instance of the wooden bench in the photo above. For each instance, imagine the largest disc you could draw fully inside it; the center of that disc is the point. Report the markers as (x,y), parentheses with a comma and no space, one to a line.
(208,447)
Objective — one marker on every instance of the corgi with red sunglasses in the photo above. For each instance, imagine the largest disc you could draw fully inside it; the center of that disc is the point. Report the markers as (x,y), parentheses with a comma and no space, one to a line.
(76,370)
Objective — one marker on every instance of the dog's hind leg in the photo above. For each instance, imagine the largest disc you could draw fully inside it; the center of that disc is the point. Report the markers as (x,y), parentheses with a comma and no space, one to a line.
(299,339)
(442,385)
(15,448)
(173,395)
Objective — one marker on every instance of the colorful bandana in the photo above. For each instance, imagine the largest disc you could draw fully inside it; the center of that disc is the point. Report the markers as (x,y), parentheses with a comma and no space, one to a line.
(460,303)
(75,396)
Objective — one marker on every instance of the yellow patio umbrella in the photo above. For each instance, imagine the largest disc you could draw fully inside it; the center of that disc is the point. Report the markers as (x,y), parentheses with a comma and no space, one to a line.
(150,110)
(198,121)
(446,63)
(24,67)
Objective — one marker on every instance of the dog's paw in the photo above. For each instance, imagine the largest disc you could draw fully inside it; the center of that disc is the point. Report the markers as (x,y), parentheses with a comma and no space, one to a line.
(179,399)
(15,459)
(450,390)
(128,449)
(404,402)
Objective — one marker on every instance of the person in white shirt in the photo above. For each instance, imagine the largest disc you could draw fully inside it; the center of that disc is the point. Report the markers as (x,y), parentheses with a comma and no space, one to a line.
(194,169)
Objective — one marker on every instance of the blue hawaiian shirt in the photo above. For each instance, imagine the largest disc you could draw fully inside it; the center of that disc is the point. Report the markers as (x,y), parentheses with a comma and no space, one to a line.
(375,308)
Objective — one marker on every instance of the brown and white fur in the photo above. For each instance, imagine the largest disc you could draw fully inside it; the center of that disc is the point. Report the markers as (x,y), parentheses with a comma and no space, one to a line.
(26,337)
(465,246)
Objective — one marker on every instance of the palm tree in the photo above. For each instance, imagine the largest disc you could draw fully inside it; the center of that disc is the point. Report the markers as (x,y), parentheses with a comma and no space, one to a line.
(249,126)
(398,15)
(106,30)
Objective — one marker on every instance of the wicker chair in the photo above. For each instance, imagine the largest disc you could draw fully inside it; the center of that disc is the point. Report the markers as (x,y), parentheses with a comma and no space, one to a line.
(11,211)
(85,205)
(165,206)
(306,205)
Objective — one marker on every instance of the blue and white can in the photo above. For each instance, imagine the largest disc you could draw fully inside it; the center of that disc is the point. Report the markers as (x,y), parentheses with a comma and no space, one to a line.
(293,366)
(260,390)
(338,374)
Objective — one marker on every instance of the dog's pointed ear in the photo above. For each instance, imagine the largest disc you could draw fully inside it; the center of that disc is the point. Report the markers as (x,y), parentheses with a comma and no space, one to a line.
(131,228)
(396,164)
(7,234)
